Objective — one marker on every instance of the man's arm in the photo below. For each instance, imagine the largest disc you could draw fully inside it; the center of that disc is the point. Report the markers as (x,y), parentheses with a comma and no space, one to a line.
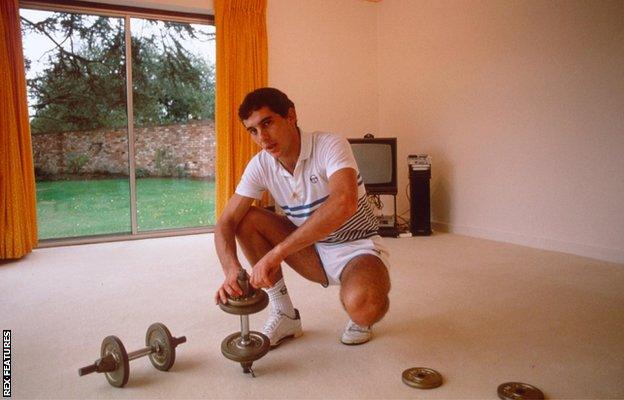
(225,243)
(340,205)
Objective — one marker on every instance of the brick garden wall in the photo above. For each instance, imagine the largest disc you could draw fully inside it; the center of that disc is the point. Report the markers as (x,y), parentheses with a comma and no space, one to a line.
(179,150)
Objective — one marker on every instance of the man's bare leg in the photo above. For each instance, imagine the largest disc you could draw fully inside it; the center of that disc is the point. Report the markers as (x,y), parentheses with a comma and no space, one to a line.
(365,284)
(260,230)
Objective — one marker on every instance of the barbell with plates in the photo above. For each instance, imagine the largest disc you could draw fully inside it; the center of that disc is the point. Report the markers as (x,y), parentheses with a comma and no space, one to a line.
(245,346)
(114,361)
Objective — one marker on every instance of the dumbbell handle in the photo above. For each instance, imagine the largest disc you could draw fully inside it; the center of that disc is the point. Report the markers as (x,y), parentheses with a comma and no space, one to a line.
(106,364)
(87,370)
(243,282)
(109,364)
(178,340)
(151,349)
(245,341)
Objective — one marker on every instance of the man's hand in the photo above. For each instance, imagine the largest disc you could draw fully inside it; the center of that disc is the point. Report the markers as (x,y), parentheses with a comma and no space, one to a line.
(229,287)
(225,243)
(264,273)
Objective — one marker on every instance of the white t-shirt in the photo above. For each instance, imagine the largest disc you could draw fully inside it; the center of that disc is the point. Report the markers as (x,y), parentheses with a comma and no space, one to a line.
(301,193)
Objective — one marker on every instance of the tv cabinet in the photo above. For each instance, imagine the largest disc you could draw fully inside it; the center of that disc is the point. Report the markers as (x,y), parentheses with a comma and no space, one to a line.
(390,229)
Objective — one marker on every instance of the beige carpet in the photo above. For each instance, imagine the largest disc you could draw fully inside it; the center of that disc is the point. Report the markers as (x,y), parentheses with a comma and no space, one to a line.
(480,312)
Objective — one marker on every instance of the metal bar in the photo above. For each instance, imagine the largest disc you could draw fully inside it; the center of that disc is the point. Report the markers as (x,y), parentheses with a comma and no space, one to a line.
(140,353)
(89,369)
(245,330)
(130,108)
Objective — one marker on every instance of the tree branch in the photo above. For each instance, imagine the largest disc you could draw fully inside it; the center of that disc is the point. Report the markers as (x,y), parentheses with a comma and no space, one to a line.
(58,45)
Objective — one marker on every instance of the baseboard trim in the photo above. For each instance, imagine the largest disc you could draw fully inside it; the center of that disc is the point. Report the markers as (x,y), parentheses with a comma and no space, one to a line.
(600,253)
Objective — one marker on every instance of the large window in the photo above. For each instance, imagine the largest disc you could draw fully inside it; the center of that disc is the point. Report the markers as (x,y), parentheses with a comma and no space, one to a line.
(121,108)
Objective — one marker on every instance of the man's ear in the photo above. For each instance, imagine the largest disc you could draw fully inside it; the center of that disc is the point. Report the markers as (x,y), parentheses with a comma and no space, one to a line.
(292,115)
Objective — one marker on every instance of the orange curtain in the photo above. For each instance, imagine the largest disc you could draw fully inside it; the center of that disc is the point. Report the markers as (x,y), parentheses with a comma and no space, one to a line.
(18,223)
(242,64)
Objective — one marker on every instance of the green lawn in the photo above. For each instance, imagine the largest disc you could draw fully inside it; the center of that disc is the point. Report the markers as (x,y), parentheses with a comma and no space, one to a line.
(96,207)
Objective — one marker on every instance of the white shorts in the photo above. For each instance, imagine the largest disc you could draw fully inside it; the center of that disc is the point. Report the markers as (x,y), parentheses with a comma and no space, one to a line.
(335,256)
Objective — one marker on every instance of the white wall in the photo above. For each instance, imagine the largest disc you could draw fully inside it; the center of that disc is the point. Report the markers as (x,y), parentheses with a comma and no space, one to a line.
(322,53)
(521,105)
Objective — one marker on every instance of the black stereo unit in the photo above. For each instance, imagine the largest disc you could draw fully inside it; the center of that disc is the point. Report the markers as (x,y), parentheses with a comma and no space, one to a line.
(420,208)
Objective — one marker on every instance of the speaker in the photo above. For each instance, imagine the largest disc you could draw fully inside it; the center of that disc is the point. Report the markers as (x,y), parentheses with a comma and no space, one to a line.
(420,209)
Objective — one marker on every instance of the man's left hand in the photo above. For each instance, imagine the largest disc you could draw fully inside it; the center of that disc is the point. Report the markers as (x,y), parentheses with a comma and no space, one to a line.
(264,273)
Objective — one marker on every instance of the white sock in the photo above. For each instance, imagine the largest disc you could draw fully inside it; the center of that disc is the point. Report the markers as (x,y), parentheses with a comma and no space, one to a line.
(280,300)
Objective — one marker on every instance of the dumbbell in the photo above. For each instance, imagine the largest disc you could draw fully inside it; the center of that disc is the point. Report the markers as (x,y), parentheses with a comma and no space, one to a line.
(114,361)
(245,346)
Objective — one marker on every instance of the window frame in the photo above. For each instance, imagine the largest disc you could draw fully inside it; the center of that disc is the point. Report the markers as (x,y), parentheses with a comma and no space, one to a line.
(112,10)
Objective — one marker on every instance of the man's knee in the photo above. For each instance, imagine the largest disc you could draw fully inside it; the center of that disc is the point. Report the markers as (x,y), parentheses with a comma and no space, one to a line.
(365,305)
(364,289)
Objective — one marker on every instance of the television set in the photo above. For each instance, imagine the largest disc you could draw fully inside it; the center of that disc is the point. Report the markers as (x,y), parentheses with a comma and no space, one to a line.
(377,161)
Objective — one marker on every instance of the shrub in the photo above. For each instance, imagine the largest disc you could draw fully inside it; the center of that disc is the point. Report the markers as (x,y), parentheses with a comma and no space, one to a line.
(164,162)
(75,162)
(180,171)
(141,173)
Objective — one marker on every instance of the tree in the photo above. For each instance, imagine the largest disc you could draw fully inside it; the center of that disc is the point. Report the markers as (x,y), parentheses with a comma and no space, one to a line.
(84,84)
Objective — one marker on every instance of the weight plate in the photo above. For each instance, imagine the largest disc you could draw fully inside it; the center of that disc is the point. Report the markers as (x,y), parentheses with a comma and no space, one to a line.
(422,378)
(113,346)
(159,338)
(256,296)
(233,348)
(247,305)
(519,391)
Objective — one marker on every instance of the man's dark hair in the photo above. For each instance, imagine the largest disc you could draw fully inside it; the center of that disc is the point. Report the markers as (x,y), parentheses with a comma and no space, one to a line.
(276,100)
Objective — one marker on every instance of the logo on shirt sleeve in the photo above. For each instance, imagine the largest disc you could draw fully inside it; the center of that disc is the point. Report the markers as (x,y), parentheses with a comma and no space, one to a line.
(313,178)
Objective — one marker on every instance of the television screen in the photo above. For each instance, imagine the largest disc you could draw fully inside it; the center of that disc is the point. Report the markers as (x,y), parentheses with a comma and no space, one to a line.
(376,159)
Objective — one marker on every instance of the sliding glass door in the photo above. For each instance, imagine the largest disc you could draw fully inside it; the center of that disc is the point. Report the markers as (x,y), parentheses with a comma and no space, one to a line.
(173,97)
(77,106)
(114,161)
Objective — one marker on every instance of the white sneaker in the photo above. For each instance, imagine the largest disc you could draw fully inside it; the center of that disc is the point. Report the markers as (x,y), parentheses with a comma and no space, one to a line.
(356,334)
(280,326)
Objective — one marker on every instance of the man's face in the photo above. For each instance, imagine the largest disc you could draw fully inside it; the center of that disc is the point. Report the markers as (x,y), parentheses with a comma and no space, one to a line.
(272,132)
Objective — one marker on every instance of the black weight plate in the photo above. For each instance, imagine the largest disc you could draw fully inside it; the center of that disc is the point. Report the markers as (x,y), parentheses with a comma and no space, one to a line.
(422,378)
(519,391)
(247,305)
(232,348)
(158,337)
(112,345)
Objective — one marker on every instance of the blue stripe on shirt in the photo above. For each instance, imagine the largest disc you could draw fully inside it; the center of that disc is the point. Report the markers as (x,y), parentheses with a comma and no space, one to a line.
(305,205)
